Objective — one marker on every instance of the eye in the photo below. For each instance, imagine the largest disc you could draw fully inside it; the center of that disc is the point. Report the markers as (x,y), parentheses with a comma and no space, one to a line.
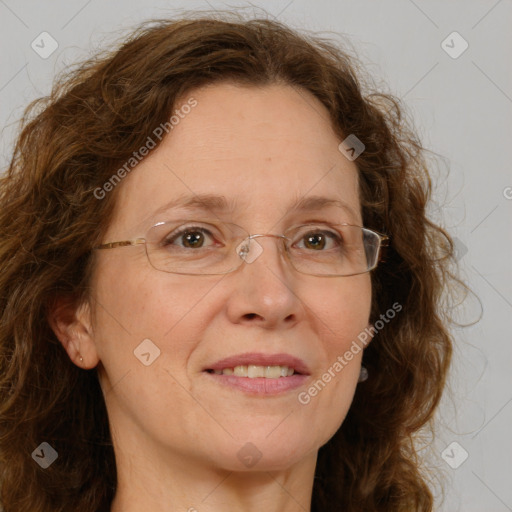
(320,239)
(190,237)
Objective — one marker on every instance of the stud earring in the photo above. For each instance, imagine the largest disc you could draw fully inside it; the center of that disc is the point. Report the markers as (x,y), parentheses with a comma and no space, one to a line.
(363,374)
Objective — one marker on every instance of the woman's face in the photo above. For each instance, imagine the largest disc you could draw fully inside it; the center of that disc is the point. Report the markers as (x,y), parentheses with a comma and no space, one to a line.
(262,149)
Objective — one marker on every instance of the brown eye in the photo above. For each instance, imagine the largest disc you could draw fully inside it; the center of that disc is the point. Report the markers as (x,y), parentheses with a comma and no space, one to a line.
(193,239)
(190,238)
(319,240)
(316,241)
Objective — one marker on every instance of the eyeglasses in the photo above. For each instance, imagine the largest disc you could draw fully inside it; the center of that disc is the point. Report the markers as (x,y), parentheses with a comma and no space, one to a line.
(210,247)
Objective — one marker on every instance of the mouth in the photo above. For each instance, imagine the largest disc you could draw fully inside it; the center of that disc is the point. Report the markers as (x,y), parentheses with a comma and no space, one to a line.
(260,374)
(259,365)
(253,371)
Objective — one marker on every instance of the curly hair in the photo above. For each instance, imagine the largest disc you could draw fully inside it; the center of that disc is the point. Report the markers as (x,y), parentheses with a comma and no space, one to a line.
(72,141)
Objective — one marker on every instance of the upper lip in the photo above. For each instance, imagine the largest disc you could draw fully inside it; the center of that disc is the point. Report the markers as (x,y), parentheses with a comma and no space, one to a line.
(259,359)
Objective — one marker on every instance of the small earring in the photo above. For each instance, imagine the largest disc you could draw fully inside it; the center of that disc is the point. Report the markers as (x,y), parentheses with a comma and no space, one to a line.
(81,359)
(363,374)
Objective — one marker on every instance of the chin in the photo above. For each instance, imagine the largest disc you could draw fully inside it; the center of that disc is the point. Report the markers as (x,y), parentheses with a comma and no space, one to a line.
(263,453)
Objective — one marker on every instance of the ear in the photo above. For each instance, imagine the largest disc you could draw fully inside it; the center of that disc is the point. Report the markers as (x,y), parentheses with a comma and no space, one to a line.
(73,327)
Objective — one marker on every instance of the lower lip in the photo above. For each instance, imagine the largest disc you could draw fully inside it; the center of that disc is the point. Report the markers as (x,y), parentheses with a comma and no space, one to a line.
(261,385)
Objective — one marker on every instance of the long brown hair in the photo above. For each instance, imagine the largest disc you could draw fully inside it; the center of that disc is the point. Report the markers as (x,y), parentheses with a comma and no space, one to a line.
(72,142)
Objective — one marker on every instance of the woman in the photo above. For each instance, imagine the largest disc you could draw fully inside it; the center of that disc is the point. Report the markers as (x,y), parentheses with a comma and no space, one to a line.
(197,312)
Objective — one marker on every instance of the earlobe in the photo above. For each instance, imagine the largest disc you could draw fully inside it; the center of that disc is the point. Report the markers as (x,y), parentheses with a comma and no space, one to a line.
(72,326)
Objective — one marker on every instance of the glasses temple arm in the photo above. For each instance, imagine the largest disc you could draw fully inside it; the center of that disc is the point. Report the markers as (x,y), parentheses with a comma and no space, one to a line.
(123,243)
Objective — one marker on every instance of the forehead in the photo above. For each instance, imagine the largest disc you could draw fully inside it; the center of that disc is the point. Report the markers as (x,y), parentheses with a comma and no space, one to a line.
(252,151)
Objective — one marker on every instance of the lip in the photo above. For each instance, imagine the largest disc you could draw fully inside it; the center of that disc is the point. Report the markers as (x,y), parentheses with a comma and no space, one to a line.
(260,359)
(259,385)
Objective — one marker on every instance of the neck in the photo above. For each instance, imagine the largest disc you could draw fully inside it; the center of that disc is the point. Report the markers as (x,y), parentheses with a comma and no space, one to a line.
(175,482)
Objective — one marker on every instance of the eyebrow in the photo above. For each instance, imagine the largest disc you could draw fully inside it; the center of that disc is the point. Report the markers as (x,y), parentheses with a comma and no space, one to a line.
(219,204)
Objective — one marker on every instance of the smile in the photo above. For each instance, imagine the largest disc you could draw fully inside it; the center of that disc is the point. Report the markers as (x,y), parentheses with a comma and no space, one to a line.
(254,371)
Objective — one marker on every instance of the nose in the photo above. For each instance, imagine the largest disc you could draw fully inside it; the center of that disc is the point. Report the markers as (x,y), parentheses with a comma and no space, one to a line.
(250,249)
(265,290)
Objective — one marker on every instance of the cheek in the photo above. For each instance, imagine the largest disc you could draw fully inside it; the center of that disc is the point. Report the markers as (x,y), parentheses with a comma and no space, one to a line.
(343,311)
(139,315)
(342,318)
(134,305)
(134,300)
(340,314)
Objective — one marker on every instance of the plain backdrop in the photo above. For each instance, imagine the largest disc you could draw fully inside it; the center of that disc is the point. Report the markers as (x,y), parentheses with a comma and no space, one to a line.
(457,88)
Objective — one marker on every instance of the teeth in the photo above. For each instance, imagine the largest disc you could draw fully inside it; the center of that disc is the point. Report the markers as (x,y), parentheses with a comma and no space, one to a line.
(273,372)
(253,371)
(240,371)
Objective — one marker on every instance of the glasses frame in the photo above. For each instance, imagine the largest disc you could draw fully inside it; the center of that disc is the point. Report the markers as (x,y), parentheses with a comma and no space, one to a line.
(383,243)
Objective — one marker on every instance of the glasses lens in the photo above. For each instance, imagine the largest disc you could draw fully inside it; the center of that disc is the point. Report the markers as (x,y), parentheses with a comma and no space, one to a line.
(211,247)
(194,246)
(340,250)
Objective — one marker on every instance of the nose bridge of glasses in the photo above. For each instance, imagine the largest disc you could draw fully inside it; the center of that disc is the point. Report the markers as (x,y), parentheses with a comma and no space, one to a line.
(267,234)
(250,252)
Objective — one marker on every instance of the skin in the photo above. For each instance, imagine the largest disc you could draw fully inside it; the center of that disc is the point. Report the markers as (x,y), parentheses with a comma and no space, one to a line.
(176,434)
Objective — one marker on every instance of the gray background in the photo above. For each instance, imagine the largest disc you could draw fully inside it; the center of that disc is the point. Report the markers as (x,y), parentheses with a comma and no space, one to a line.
(462,109)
